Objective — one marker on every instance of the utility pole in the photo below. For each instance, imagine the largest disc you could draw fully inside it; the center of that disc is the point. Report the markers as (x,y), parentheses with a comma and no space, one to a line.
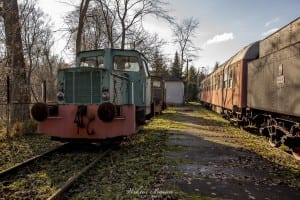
(187,77)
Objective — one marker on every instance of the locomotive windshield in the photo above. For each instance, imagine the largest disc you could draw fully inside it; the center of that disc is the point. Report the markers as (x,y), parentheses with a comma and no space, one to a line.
(126,63)
(94,61)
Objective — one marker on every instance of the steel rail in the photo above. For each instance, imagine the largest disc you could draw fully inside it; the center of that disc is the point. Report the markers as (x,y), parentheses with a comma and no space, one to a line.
(68,184)
(30,160)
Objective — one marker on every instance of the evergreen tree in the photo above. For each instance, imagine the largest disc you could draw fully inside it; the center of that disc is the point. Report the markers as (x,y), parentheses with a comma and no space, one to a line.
(176,69)
(158,65)
(192,84)
(216,66)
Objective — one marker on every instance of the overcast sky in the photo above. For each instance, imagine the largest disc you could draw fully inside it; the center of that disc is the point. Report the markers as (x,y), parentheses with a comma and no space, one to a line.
(225,26)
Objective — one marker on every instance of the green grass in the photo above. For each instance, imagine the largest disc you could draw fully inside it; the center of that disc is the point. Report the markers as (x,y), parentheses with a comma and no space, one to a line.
(138,170)
(132,172)
(230,135)
(19,129)
(141,169)
(19,149)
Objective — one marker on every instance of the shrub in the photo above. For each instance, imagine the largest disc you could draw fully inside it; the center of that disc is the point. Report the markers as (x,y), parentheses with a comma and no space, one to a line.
(22,128)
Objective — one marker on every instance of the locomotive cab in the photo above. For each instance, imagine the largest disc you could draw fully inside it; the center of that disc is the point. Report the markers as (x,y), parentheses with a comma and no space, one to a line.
(136,69)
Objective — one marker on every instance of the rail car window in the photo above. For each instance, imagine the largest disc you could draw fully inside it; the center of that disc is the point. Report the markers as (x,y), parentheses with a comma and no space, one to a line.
(93,61)
(230,78)
(126,63)
(225,79)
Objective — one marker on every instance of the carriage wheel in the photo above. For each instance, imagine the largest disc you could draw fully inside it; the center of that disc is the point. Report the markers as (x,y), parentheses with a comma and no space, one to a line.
(273,142)
(296,150)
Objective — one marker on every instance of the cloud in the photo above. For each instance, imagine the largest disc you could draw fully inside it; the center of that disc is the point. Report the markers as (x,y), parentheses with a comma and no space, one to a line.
(273,21)
(269,32)
(220,38)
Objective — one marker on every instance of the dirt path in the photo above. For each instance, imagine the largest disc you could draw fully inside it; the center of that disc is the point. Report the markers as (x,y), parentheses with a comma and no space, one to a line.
(213,162)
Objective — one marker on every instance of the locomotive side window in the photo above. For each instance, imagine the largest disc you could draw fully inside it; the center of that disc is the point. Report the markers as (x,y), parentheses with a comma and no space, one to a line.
(126,63)
(94,61)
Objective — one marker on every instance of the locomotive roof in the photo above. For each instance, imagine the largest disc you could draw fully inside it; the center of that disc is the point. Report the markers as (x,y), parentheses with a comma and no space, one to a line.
(120,50)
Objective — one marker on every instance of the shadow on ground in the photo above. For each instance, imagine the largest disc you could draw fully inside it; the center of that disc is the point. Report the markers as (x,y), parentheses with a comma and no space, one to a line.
(217,170)
(206,168)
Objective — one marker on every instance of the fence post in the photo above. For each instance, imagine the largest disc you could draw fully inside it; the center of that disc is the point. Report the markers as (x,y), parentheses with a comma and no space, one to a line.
(44,91)
(7,105)
(7,90)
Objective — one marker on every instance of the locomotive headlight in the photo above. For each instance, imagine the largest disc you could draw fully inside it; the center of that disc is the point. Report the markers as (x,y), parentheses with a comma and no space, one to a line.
(105,94)
(60,96)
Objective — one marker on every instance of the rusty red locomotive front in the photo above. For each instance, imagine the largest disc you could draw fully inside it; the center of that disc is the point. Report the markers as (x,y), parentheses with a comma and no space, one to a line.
(107,94)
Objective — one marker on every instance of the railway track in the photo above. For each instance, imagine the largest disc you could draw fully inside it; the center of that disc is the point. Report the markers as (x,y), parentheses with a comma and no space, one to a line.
(18,166)
(59,193)
(50,174)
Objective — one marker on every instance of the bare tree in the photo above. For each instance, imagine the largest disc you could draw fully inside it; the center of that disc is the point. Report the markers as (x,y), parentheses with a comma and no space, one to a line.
(15,60)
(109,16)
(82,14)
(145,42)
(38,41)
(131,12)
(183,36)
(85,26)
(119,19)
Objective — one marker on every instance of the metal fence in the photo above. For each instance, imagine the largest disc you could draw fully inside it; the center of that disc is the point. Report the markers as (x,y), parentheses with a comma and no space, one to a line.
(36,92)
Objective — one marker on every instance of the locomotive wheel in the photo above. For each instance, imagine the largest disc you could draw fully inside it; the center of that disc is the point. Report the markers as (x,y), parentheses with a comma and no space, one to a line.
(296,152)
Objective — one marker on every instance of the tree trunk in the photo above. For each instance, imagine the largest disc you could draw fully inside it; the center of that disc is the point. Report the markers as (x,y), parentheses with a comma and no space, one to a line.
(82,13)
(19,91)
(123,41)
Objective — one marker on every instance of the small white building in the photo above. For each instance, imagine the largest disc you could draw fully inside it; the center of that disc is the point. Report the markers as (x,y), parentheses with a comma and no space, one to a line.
(174,91)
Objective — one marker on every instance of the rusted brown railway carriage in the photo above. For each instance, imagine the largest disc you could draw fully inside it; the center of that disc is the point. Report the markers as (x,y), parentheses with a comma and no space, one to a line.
(223,90)
(260,86)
